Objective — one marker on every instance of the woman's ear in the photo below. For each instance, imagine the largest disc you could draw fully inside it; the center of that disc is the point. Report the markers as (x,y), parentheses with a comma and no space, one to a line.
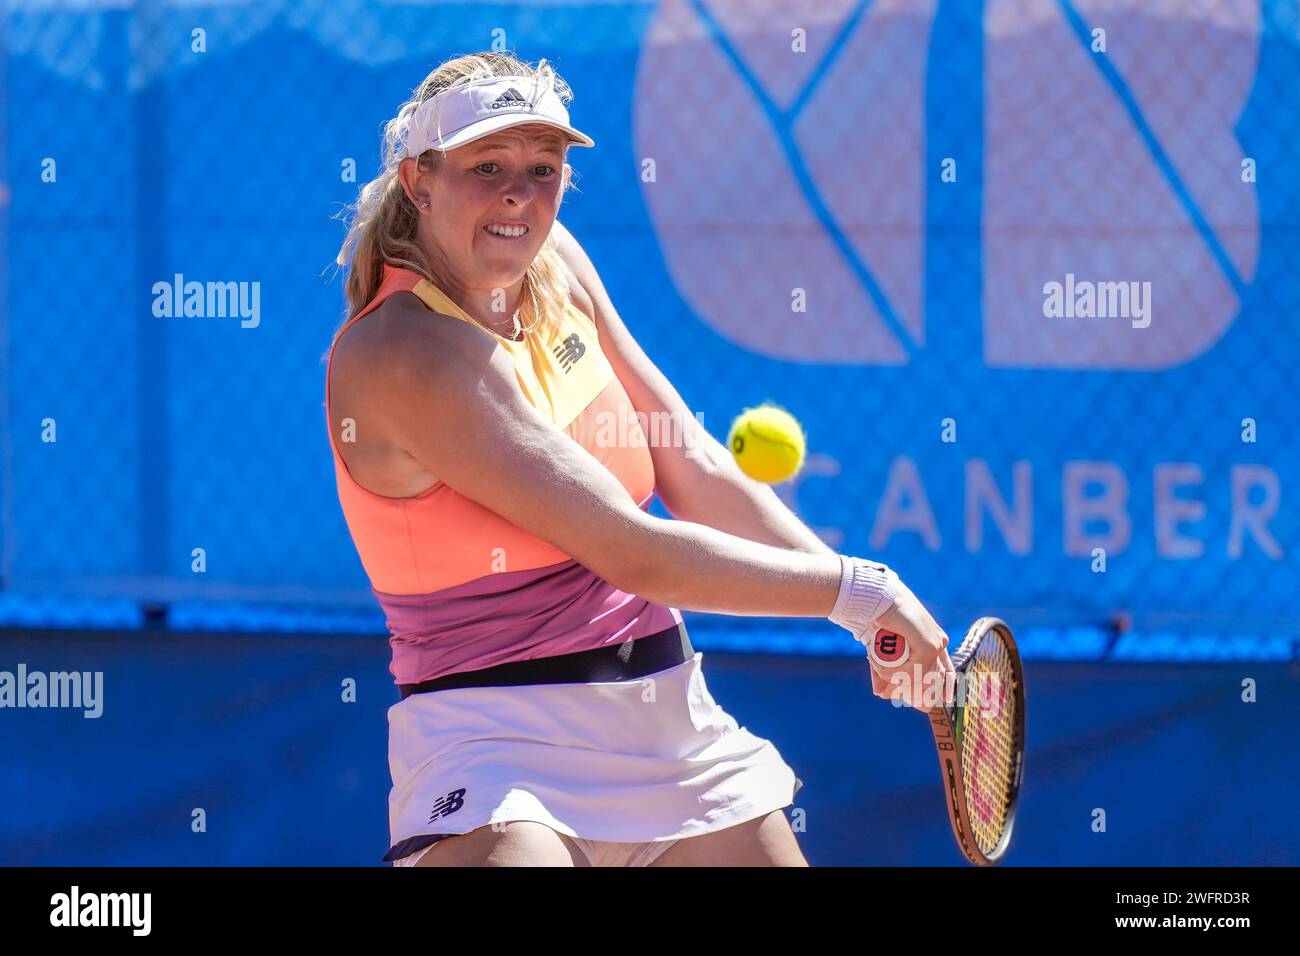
(408,174)
(407,170)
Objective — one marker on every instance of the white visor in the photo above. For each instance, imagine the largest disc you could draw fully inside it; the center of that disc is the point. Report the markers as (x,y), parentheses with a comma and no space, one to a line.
(471,111)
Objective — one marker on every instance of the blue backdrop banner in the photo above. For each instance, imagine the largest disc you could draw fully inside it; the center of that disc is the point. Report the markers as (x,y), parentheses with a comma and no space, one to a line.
(1025,271)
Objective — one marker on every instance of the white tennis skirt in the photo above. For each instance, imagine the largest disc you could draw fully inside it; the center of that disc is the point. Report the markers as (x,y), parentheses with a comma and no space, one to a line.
(647,759)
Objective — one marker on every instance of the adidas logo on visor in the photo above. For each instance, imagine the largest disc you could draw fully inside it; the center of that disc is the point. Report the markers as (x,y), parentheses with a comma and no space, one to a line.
(510,99)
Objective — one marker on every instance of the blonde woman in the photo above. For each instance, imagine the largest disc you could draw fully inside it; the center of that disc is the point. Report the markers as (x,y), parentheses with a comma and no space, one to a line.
(553,711)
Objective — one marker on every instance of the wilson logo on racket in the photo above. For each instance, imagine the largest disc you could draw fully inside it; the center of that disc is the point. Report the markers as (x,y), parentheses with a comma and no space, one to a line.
(888,649)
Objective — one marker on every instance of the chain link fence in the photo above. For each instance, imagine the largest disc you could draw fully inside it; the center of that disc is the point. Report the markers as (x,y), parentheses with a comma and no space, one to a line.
(1024,269)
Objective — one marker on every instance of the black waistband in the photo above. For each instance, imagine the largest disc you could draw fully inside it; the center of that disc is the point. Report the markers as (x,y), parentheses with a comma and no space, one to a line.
(631,659)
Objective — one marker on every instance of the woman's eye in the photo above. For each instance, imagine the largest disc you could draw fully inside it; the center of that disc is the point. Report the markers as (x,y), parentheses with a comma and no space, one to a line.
(541,170)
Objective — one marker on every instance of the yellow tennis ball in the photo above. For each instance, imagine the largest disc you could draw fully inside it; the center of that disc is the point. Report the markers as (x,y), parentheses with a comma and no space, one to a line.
(768,443)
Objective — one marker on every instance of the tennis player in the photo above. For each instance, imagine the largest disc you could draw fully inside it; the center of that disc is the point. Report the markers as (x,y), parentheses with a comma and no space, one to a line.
(552,711)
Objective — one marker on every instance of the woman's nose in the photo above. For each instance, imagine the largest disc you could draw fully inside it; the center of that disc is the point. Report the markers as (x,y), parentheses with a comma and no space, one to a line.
(518,190)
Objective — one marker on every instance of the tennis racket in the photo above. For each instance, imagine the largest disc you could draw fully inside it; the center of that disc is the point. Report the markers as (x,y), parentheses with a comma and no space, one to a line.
(980,738)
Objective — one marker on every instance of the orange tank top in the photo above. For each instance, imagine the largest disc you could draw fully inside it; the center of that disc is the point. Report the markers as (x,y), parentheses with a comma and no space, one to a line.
(461,586)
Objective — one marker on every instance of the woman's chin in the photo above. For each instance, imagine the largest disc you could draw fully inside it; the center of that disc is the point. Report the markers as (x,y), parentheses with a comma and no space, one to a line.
(503,270)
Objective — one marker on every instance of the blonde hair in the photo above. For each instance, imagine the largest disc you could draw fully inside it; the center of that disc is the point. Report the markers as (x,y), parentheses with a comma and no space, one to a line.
(382,222)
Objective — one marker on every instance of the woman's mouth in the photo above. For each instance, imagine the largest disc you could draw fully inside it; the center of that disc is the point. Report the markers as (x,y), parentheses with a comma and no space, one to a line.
(507,231)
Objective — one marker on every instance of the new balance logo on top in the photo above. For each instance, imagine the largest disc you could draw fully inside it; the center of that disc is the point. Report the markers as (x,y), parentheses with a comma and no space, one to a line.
(511,99)
(569,351)
(448,805)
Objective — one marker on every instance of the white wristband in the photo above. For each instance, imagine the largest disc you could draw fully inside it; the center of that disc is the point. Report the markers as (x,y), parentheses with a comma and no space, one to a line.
(867,590)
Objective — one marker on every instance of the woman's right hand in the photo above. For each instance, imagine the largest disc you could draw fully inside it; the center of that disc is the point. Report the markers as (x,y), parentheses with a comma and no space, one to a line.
(928,669)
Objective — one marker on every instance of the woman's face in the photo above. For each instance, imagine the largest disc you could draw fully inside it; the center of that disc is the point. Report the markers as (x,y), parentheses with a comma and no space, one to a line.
(509,180)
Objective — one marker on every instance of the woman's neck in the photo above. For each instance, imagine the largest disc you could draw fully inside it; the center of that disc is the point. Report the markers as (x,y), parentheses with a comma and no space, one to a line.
(484,306)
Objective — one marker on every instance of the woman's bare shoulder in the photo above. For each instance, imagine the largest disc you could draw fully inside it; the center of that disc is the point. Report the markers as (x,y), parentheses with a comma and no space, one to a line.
(378,358)
(399,323)
(381,369)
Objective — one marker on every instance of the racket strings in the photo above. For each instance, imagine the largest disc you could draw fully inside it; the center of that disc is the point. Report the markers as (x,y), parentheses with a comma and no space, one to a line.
(988,740)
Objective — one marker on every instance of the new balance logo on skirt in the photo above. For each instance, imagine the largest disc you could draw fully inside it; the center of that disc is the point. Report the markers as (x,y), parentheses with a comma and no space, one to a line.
(448,805)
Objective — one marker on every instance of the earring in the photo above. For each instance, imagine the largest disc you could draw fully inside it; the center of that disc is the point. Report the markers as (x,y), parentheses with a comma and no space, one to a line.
(424,204)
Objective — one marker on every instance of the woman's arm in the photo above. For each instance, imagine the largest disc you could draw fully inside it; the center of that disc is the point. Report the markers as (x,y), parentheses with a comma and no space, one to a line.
(446,394)
(697,479)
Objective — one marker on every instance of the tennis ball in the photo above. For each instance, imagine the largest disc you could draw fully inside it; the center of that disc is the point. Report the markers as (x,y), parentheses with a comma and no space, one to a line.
(768,444)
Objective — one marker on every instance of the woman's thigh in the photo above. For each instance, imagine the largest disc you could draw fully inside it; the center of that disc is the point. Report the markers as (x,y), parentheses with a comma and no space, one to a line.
(516,843)
(763,841)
